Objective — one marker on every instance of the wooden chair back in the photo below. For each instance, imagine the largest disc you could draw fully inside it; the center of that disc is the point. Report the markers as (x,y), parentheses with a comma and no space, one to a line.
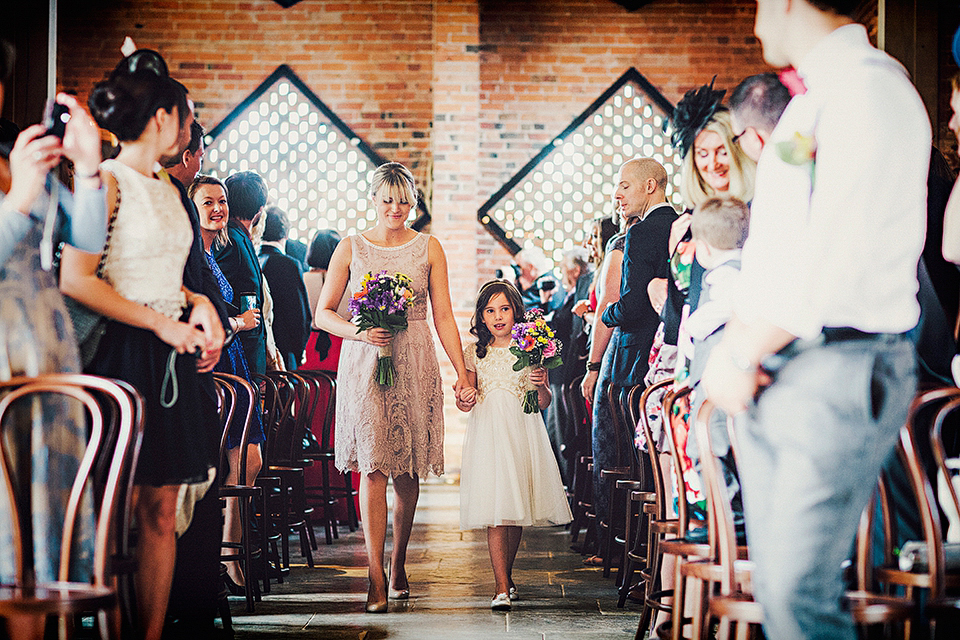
(723,535)
(653,456)
(683,512)
(106,471)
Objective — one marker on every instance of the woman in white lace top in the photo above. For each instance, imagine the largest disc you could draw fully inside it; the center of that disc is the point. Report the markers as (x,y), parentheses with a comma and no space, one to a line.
(157,326)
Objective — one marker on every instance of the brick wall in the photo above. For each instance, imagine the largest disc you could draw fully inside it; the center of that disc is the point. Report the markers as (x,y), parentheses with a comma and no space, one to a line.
(462,91)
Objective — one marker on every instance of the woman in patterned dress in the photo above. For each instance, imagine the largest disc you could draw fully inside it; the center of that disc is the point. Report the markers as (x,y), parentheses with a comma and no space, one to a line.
(397,431)
(210,196)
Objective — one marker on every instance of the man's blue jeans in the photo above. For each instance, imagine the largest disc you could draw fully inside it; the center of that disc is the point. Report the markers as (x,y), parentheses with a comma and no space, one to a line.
(811,448)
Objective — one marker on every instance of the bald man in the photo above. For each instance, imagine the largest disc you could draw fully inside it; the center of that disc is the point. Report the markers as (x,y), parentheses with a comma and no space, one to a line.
(640,193)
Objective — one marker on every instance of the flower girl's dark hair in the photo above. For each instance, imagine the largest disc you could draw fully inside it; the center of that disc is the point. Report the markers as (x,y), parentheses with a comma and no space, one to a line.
(487,291)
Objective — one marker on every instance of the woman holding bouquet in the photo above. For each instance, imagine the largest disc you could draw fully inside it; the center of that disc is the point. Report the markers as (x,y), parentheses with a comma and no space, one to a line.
(396,430)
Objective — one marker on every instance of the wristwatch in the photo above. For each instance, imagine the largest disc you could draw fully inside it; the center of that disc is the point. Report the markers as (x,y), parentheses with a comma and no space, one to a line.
(593,366)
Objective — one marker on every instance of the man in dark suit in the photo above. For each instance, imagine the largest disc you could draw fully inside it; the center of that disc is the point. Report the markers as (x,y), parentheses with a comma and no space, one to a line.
(246,197)
(291,308)
(196,579)
(641,193)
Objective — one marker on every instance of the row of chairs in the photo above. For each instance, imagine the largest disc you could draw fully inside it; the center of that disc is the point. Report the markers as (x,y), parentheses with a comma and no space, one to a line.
(713,577)
(293,407)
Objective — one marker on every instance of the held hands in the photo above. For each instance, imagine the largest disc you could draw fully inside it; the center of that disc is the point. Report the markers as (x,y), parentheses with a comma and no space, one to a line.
(466,398)
(181,336)
(204,316)
(376,336)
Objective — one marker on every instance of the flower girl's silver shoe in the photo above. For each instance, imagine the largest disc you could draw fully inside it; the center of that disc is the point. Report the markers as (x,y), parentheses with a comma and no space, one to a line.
(501,602)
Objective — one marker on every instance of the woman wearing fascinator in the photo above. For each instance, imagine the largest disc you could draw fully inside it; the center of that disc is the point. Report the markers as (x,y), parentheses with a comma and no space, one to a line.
(713,165)
(156,328)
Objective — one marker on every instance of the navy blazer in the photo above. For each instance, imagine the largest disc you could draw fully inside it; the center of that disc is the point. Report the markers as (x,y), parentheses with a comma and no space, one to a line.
(240,266)
(645,257)
(291,308)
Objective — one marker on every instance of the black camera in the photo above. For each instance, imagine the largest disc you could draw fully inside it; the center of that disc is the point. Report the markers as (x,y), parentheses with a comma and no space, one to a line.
(548,285)
(55,119)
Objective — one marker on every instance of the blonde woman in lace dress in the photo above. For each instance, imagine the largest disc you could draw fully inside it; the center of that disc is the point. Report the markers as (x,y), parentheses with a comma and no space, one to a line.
(385,432)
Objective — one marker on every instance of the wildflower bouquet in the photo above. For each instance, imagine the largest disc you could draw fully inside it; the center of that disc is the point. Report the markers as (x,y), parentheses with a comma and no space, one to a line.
(534,344)
(382,303)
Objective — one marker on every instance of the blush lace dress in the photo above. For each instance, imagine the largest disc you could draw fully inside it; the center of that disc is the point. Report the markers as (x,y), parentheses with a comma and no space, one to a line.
(509,475)
(398,429)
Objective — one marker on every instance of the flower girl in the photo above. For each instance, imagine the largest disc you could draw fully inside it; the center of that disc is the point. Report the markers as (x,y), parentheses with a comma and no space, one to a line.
(509,478)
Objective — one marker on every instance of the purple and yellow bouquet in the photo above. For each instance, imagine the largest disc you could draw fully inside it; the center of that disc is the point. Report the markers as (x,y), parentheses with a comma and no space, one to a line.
(382,303)
(534,343)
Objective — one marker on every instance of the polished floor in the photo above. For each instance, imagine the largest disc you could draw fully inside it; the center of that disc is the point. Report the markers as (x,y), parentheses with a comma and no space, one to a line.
(451,585)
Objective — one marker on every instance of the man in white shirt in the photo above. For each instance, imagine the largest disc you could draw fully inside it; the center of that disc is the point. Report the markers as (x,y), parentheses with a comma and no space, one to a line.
(828,280)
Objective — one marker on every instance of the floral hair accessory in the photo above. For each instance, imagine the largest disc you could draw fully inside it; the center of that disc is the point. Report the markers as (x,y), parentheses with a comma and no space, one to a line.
(692,114)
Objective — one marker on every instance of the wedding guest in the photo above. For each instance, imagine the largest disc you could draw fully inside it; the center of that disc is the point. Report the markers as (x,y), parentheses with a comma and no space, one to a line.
(35,337)
(157,325)
(756,105)
(395,431)
(614,357)
(812,427)
(196,576)
(210,197)
(291,326)
(323,349)
(247,195)
(577,278)
(601,231)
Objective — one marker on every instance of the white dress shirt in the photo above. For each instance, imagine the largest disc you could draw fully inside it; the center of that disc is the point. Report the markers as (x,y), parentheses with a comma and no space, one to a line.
(835,242)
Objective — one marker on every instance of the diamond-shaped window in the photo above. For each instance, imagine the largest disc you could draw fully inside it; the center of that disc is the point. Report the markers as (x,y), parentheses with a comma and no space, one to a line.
(552,199)
(316,168)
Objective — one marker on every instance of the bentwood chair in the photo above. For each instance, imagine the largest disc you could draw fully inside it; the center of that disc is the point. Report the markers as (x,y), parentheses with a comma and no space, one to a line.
(932,577)
(649,506)
(733,603)
(114,432)
(580,498)
(283,460)
(335,487)
(944,609)
(249,497)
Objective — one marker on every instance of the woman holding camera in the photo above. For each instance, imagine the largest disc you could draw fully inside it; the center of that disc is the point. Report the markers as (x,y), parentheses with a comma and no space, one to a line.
(35,337)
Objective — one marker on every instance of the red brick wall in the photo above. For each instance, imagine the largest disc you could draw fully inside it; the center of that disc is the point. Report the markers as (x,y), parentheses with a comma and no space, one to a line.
(543,62)
(463,91)
(371,62)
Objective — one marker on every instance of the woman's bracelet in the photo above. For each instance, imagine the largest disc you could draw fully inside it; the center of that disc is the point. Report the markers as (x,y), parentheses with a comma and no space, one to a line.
(593,366)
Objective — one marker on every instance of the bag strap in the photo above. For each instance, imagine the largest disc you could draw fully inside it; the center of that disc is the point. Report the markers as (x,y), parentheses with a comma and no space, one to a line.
(106,242)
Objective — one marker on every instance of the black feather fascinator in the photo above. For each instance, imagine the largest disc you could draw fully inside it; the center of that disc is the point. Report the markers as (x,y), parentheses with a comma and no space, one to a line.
(692,114)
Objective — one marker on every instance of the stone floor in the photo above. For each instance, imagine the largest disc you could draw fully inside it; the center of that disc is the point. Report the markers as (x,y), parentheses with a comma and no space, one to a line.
(451,585)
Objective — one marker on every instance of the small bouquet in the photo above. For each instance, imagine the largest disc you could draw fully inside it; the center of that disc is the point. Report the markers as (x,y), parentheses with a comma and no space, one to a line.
(534,344)
(382,303)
